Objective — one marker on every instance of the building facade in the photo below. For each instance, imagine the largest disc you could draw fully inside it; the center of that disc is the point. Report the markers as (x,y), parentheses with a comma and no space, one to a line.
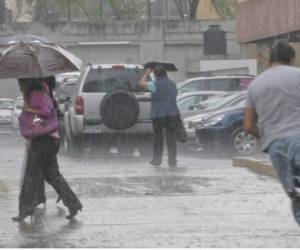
(260,23)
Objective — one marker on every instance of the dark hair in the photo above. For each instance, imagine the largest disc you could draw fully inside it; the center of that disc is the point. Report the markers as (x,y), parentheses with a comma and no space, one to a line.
(51,82)
(282,52)
(33,83)
(160,71)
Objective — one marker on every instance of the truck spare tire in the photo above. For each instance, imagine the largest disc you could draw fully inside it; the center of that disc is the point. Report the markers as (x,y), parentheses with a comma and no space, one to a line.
(119,110)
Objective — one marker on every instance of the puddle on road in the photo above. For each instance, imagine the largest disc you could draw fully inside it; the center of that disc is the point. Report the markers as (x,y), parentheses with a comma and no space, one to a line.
(141,185)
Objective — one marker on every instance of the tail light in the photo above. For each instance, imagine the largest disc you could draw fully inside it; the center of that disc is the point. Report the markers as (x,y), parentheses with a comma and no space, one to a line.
(79,105)
(118,66)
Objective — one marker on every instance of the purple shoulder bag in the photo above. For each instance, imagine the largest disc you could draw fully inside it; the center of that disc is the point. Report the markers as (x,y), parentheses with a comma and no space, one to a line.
(32,126)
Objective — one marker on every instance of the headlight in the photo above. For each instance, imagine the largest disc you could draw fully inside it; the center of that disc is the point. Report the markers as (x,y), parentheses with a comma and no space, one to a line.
(213,120)
(192,124)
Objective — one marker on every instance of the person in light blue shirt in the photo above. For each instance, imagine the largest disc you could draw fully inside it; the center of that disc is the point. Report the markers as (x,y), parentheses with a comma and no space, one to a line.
(164,114)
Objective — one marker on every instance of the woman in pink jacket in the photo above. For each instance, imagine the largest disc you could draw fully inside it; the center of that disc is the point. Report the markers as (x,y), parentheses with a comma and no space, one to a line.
(42,162)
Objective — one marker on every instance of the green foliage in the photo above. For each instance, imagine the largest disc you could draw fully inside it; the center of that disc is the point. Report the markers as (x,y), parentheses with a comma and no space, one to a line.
(89,9)
(127,9)
(225,8)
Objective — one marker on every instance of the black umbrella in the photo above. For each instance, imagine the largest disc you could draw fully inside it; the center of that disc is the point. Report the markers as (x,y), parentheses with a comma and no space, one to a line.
(23,38)
(167,65)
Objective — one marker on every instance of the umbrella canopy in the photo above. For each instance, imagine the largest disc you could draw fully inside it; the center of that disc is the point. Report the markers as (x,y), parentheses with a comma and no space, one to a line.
(167,65)
(34,59)
(22,38)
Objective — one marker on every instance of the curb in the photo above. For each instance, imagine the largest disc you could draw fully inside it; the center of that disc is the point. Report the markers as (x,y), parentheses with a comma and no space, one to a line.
(258,166)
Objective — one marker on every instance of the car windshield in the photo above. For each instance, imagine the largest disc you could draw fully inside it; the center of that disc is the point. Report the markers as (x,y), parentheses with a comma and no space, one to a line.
(107,80)
(218,101)
(6,104)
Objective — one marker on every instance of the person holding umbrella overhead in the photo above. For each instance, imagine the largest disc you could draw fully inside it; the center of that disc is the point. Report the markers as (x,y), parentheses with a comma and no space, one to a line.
(42,162)
(164,113)
(30,58)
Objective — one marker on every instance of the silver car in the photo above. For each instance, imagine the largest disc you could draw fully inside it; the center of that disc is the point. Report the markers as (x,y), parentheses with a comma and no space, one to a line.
(109,108)
(6,107)
(17,111)
(216,83)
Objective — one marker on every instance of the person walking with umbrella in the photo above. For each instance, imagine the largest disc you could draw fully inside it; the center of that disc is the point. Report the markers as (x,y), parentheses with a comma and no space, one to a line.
(164,113)
(42,162)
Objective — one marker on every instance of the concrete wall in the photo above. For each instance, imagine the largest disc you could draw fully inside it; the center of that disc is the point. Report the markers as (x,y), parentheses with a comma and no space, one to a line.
(177,41)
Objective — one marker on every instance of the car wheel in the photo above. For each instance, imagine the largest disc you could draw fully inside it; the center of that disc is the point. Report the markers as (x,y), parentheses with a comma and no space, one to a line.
(119,110)
(243,143)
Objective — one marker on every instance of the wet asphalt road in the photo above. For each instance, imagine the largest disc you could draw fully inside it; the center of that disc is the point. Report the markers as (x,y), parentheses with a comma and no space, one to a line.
(128,203)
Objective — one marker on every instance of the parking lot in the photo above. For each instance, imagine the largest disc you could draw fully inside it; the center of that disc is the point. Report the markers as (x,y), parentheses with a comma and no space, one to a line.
(129,203)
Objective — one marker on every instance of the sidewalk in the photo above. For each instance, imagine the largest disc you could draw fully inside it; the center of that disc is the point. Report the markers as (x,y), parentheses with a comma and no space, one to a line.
(127,203)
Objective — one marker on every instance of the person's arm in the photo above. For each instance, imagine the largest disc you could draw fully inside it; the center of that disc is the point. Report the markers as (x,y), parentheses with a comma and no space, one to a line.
(143,82)
(250,121)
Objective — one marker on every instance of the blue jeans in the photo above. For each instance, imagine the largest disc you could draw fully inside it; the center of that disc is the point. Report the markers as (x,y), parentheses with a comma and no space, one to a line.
(285,156)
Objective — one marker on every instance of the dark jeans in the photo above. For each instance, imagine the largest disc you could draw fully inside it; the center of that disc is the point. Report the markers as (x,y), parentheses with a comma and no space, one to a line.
(285,156)
(169,124)
(42,166)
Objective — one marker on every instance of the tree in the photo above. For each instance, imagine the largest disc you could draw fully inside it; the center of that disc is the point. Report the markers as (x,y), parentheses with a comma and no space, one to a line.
(2,11)
(183,9)
(45,7)
(193,8)
(127,10)
(225,8)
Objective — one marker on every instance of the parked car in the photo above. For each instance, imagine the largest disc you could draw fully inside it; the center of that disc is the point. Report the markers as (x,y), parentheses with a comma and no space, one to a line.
(109,108)
(210,106)
(216,83)
(63,92)
(216,103)
(189,102)
(19,102)
(6,107)
(61,78)
(225,128)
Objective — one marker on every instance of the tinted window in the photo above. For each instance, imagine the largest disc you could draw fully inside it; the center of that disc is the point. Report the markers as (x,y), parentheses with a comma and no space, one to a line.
(226,84)
(107,80)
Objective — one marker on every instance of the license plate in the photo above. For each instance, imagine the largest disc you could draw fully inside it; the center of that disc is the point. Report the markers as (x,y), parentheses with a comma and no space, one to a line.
(92,129)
